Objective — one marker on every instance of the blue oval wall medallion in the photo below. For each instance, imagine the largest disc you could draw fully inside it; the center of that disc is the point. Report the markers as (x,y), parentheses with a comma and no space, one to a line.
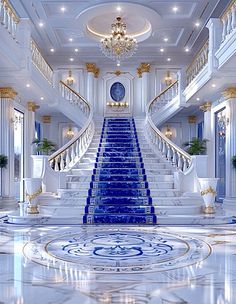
(117,91)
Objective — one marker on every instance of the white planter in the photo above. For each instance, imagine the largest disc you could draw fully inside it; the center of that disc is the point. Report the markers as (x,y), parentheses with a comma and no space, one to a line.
(33,188)
(208,193)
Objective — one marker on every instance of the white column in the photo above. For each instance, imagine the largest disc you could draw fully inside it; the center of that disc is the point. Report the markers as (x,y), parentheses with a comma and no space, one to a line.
(93,72)
(46,121)
(230,97)
(208,134)
(6,144)
(143,72)
(215,28)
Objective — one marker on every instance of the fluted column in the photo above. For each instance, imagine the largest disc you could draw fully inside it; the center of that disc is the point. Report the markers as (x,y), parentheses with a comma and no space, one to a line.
(7,96)
(207,134)
(93,72)
(230,98)
(143,72)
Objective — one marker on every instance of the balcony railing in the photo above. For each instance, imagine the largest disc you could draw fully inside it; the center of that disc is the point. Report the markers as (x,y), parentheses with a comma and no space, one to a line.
(229,20)
(70,153)
(175,155)
(199,62)
(74,98)
(164,98)
(8,17)
(40,63)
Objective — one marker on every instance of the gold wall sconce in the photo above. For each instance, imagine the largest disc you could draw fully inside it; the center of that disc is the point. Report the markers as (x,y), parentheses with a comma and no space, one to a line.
(70,79)
(168,132)
(168,79)
(70,133)
(117,104)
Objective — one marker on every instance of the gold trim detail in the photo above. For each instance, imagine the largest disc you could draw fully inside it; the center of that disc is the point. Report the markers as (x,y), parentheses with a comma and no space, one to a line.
(32,106)
(11,10)
(143,68)
(208,190)
(32,209)
(229,93)
(209,210)
(117,72)
(192,119)
(30,197)
(46,119)
(92,68)
(7,92)
(205,107)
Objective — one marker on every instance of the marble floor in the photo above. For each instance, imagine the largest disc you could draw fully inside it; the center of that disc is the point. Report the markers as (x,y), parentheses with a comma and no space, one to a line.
(111,264)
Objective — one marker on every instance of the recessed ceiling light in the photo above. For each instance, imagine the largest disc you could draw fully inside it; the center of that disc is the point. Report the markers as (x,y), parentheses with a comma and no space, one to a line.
(197,24)
(70,39)
(27,85)
(175,9)
(41,98)
(187,49)
(118,64)
(71,59)
(76,50)
(168,59)
(161,50)
(213,85)
(52,50)
(63,9)
(41,24)
(118,8)
(198,99)
(165,39)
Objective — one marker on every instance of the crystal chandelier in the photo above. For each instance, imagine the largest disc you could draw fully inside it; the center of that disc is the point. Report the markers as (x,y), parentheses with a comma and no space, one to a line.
(118,45)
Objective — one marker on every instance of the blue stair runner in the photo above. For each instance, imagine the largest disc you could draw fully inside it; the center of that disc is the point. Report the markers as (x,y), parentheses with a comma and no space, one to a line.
(119,189)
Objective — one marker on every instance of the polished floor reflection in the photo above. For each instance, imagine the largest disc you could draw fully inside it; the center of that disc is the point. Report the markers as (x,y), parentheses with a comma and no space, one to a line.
(110,264)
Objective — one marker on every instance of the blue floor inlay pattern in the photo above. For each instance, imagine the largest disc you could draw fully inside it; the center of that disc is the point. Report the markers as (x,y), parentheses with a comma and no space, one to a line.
(119,191)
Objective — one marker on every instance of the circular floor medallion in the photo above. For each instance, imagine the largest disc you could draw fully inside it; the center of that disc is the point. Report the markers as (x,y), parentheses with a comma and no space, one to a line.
(117,250)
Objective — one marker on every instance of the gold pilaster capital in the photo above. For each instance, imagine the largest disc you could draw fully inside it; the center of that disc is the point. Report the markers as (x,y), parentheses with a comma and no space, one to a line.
(144,67)
(7,92)
(192,119)
(229,93)
(92,68)
(32,106)
(46,119)
(205,107)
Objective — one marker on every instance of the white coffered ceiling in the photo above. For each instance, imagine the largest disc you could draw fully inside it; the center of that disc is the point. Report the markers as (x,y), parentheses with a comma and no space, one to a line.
(157,16)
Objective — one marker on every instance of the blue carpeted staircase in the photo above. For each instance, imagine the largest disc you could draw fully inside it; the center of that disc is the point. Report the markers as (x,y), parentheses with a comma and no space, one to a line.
(119,189)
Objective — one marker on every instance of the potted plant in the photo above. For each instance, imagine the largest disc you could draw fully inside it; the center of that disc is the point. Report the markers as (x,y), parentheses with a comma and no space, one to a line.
(196,146)
(234,161)
(44,146)
(3,164)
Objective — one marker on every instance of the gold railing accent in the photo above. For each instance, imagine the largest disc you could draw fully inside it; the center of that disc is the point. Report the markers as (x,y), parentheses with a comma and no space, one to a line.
(177,156)
(9,17)
(40,63)
(228,9)
(228,19)
(198,63)
(64,158)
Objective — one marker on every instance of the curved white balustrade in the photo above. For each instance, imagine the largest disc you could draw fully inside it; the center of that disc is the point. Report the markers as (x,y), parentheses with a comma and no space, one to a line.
(74,98)
(199,62)
(40,63)
(71,153)
(164,98)
(229,20)
(175,155)
(8,17)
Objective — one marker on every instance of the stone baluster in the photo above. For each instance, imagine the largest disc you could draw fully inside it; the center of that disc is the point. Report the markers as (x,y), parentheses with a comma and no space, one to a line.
(233,12)
(228,29)
(174,158)
(224,29)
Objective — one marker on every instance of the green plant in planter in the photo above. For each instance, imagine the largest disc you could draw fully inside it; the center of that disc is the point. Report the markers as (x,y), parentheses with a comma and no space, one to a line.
(234,161)
(196,146)
(44,146)
(3,161)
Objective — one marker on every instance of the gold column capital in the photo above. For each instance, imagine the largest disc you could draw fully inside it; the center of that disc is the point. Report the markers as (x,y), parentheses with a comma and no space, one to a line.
(92,68)
(144,67)
(7,92)
(32,107)
(46,119)
(205,107)
(229,93)
(192,119)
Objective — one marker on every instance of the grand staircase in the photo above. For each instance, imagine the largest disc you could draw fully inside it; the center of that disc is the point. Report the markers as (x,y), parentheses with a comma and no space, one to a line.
(119,190)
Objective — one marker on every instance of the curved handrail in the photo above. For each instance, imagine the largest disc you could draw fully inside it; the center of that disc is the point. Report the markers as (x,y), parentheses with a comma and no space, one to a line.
(74,98)
(177,156)
(64,158)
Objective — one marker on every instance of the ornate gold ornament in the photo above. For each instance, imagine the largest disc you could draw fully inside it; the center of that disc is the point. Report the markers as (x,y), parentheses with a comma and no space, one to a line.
(117,104)
(117,72)
(92,68)
(46,119)
(192,119)
(143,68)
(7,92)
(205,107)
(33,209)
(209,210)
(32,106)
(208,190)
(229,93)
